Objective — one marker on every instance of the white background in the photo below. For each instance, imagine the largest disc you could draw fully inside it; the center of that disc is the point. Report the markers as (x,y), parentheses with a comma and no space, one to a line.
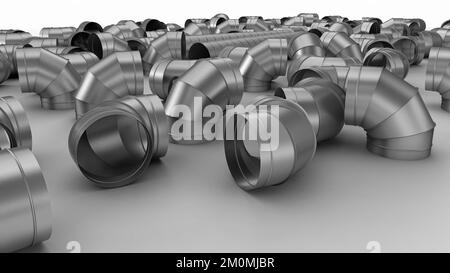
(33,15)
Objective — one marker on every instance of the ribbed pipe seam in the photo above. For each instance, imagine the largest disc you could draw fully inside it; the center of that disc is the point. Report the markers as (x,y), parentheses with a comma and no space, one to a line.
(50,76)
(264,63)
(14,120)
(25,209)
(116,76)
(114,143)
(341,45)
(215,82)
(164,73)
(438,74)
(390,59)
(271,165)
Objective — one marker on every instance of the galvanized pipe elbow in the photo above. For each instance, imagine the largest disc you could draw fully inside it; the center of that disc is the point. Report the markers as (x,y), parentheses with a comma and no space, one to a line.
(25,209)
(431,39)
(229,26)
(413,48)
(270,163)
(14,38)
(62,33)
(14,123)
(5,67)
(197,29)
(81,61)
(104,44)
(256,24)
(195,85)
(445,35)
(164,73)
(50,76)
(116,76)
(341,27)
(367,44)
(391,111)
(114,143)
(306,44)
(341,45)
(390,59)
(323,101)
(264,63)
(438,74)
(171,45)
(235,53)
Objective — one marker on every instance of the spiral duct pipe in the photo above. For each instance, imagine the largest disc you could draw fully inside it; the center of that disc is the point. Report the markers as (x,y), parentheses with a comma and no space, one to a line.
(116,76)
(51,77)
(114,143)
(263,63)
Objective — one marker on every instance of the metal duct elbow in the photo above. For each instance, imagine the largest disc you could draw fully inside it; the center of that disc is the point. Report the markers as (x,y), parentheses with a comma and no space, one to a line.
(5,67)
(80,39)
(105,44)
(309,18)
(90,26)
(390,59)
(194,90)
(367,44)
(391,111)
(174,27)
(438,74)
(14,38)
(445,35)
(256,164)
(42,42)
(431,39)
(153,25)
(114,143)
(236,54)
(340,45)
(323,101)
(140,44)
(57,32)
(9,51)
(117,76)
(306,44)
(14,123)
(256,24)
(61,50)
(25,209)
(214,22)
(126,31)
(81,61)
(171,45)
(229,26)
(413,48)
(164,73)
(197,29)
(369,27)
(50,76)
(341,27)
(263,63)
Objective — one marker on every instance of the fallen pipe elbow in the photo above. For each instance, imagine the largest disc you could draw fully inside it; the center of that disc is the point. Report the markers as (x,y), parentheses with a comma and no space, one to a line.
(263,63)
(116,76)
(50,76)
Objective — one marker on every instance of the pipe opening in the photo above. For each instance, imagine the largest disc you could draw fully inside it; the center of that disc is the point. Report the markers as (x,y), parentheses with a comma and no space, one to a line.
(406,46)
(154,24)
(95,46)
(198,51)
(114,148)
(375,28)
(316,31)
(80,40)
(93,27)
(7,139)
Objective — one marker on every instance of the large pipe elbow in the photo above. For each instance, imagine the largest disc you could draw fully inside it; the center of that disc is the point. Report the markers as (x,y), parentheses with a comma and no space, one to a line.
(341,45)
(391,111)
(263,63)
(51,77)
(5,67)
(116,76)
(306,44)
(438,74)
(171,45)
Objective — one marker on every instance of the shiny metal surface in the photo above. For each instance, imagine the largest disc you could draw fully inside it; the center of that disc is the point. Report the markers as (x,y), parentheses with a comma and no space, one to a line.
(25,210)
(14,121)
(81,61)
(196,85)
(118,75)
(51,77)
(5,67)
(168,46)
(164,73)
(153,25)
(306,44)
(14,38)
(438,74)
(57,32)
(264,63)
(197,29)
(339,44)
(236,54)
(367,44)
(431,39)
(89,26)
(411,47)
(9,51)
(41,42)
(105,44)
(114,143)
(445,35)
(273,165)
(390,59)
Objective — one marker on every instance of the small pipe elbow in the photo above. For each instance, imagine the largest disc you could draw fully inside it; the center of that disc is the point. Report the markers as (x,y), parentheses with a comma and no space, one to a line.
(171,45)
(50,76)
(263,63)
(116,76)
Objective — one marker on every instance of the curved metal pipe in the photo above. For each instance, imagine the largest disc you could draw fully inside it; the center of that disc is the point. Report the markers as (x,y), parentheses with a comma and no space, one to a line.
(264,63)
(104,44)
(116,76)
(194,90)
(340,45)
(445,35)
(14,38)
(196,29)
(63,50)
(140,44)
(236,54)
(413,49)
(367,44)
(25,209)
(341,27)
(309,18)
(81,61)
(306,44)
(390,59)
(9,51)
(153,25)
(323,101)
(114,143)
(229,26)
(5,67)
(438,74)
(369,27)
(50,76)
(79,39)
(62,33)
(126,31)
(14,121)
(431,39)
(164,73)
(169,46)
(256,24)
(268,165)
(42,42)
(89,26)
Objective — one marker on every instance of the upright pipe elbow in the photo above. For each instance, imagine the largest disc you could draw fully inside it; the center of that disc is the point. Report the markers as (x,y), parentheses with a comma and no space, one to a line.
(391,111)
(438,74)
(341,45)
(171,45)
(50,76)
(263,63)
(164,73)
(116,76)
